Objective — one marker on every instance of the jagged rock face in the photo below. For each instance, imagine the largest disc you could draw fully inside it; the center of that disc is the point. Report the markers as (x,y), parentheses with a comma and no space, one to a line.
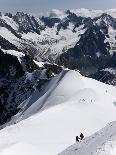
(9,15)
(13,88)
(10,66)
(105,77)
(91,42)
(50,22)
(74,18)
(71,18)
(12,93)
(87,52)
(107,19)
(26,23)
(91,53)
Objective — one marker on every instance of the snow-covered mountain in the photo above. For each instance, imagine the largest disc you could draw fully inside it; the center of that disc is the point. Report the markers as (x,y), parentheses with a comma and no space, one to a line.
(69,104)
(46,105)
(77,39)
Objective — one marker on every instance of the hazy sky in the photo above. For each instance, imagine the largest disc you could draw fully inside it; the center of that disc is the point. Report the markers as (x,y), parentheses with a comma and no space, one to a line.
(46,5)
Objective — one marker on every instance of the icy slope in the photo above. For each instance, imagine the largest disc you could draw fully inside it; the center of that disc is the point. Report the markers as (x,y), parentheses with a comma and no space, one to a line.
(70,86)
(101,143)
(59,90)
(83,105)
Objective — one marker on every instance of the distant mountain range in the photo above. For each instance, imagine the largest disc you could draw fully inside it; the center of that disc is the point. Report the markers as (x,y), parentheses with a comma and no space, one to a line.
(78,39)
(82,39)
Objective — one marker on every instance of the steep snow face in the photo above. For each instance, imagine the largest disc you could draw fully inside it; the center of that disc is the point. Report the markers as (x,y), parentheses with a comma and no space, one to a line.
(102,142)
(70,104)
(70,86)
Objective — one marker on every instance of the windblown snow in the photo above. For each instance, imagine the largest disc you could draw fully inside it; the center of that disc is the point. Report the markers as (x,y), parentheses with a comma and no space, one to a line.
(68,105)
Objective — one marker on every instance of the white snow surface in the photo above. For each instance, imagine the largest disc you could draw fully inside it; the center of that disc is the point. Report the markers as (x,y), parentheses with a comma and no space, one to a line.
(102,142)
(10,22)
(68,105)
(5,33)
(39,64)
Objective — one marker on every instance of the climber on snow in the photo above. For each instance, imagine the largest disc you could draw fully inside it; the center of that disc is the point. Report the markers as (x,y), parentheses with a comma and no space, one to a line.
(77,139)
(81,136)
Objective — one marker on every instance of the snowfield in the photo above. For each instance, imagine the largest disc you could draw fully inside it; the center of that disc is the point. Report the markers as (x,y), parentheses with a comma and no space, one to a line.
(49,120)
(101,143)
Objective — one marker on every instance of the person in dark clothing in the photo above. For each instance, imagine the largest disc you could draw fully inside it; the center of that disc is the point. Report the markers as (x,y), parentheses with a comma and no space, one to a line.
(81,136)
(77,139)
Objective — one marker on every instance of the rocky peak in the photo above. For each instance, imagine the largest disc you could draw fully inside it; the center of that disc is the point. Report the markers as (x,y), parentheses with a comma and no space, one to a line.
(9,15)
(50,22)
(27,23)
(106,19)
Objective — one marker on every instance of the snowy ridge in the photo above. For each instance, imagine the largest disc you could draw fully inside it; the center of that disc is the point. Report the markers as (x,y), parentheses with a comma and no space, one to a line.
(69,104)
(57,91)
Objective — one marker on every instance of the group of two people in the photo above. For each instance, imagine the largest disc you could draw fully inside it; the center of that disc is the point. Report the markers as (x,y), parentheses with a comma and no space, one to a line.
(78,139)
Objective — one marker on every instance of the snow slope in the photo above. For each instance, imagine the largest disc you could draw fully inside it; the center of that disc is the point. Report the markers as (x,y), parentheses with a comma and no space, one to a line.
(102,142)
(69,104)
